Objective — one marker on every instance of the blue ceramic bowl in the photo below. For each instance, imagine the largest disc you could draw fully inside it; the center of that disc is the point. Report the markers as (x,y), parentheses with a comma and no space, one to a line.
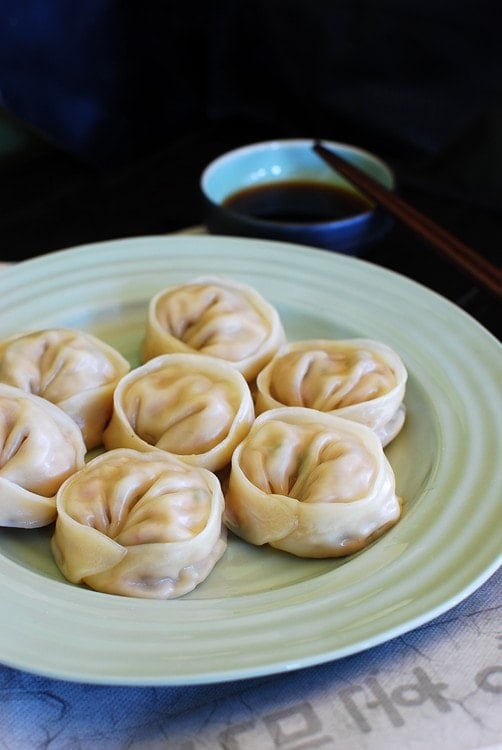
(259,166)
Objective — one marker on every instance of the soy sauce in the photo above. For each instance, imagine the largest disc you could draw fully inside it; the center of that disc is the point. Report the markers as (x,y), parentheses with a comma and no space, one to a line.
(299,202)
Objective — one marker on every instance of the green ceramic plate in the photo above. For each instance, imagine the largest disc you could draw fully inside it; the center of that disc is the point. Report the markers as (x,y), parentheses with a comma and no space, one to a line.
(262,611)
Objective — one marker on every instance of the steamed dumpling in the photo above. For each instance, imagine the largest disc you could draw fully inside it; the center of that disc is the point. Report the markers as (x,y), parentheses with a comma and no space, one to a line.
(191,405)
(311,484)
(359,379)
(74,370)
(139,524)
(217,317)
(40,447)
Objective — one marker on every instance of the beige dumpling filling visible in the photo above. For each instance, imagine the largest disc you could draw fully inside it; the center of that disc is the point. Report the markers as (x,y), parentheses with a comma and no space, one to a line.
(215,317)
(74,370)
(40,447)
(310,483)
(196,407)
(358,379)
(139,524)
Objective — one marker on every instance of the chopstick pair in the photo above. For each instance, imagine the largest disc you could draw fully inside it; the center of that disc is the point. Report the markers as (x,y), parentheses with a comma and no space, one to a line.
(465,258)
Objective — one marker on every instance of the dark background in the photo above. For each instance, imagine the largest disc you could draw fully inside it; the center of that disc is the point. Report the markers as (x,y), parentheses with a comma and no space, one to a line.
(110,110)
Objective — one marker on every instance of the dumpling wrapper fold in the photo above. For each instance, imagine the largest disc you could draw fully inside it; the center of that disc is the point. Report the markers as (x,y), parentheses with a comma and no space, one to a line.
(217,317)
(191,405)
(72,369)
(311,484)
(139,524)
(40,447)
(359,379)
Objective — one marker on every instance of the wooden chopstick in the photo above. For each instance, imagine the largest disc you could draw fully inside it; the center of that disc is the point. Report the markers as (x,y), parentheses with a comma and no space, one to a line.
(465,258)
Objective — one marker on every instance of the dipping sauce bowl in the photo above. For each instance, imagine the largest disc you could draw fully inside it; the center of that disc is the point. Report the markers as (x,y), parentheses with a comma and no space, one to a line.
(283,190)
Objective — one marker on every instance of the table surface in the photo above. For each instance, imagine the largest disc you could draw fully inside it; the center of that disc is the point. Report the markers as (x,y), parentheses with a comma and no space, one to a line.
(438,686)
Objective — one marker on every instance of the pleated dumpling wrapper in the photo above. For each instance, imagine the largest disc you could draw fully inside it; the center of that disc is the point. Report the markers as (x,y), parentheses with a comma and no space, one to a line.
(40,447)
(214,316)
(359,379)
(73,369)
(193,406)
(311,484)
(139,524)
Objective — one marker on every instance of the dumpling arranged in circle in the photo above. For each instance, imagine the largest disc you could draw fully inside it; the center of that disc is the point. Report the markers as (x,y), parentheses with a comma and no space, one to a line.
(216,317)
(40,447)
(139,524)
(359,379)
(311,484)
(194,406)
(73,369)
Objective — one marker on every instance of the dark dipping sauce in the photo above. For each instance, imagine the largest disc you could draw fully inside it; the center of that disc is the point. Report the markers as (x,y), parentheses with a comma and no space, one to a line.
(297,202)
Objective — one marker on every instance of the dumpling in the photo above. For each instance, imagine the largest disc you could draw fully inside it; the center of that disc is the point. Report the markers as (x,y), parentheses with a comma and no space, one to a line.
(191,405)
(139,524)
(217,317)
(73,369)
(359,379)
(40,447)
(311,484)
